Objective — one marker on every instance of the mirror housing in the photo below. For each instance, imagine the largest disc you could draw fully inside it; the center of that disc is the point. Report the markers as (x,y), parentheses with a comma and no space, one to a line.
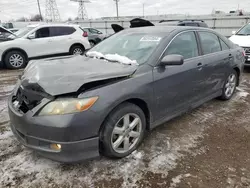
(172,60)
(32,36)
(233,32)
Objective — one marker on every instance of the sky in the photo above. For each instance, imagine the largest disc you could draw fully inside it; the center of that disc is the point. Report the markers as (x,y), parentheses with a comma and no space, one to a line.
(14,9)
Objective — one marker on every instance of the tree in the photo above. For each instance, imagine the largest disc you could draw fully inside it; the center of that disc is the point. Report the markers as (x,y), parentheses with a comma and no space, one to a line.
(36,17)
(69,19)
(22,19)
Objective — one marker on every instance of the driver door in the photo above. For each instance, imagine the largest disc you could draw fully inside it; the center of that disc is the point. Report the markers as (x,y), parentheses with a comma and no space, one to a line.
(176,87)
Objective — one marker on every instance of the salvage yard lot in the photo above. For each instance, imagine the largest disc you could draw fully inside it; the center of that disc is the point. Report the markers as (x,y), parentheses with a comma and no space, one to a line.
(207,147)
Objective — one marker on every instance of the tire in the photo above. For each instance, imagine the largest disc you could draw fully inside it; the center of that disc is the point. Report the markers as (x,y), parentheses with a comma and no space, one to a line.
(92,43)
(233,76)
(15,60)
(76,50)
(134,137)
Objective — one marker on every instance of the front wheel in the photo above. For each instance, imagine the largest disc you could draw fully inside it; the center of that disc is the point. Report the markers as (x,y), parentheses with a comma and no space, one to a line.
(123,131)
(76,50)
(15,60)
(229,86)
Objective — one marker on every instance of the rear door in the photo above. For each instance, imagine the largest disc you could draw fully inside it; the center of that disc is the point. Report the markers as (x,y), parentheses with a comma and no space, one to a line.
(61,38)
(176,86)
(216,61)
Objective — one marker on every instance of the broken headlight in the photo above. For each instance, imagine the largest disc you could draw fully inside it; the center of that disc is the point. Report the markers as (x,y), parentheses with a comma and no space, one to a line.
(67,106)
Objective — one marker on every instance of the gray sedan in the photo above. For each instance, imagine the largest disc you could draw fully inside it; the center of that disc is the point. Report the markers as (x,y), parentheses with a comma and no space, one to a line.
(80,107)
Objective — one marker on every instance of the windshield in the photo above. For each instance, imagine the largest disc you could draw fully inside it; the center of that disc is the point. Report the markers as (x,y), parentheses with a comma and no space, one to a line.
(245,30)
(136,47)
(22,32)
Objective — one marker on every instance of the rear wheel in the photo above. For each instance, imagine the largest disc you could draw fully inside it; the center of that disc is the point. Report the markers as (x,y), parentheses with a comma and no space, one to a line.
(92,43)
(230,86)
(123,131)
(76,50)
(15,60)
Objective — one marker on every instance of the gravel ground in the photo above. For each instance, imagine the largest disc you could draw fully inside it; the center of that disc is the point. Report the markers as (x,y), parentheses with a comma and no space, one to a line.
(207,147)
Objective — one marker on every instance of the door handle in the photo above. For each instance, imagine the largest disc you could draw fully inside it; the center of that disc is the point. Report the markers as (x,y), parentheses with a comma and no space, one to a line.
(199,65)
(230,56)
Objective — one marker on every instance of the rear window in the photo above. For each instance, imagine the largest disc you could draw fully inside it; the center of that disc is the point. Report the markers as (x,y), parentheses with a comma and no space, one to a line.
(60,31)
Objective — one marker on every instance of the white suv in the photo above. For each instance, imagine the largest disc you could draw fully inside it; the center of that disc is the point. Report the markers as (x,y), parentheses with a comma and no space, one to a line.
(34,42)
(242,38)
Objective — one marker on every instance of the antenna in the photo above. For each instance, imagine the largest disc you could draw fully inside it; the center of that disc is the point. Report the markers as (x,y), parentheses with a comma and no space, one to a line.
(52,12)
(82,12)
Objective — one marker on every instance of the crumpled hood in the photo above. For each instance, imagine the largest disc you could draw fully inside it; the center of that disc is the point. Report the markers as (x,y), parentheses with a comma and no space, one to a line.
(243,41)
(67,74)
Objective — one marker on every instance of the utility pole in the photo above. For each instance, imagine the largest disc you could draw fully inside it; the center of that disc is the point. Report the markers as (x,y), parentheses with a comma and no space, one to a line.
(117,8)
(39,8)
(82,12)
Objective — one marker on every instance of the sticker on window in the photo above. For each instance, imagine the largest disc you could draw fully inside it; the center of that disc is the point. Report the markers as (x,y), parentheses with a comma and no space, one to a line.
(150,39)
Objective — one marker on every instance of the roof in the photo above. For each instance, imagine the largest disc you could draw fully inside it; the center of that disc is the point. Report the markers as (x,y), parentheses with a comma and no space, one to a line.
(162,29)
(51,25)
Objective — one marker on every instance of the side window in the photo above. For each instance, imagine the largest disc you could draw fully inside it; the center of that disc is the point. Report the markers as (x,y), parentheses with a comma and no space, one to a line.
(43,32)
(94,31)
(184,44)
(224,46)
(61,31)
(209,42)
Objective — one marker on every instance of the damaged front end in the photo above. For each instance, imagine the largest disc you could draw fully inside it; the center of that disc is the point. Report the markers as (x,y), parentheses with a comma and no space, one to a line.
(27,96)
(65,77)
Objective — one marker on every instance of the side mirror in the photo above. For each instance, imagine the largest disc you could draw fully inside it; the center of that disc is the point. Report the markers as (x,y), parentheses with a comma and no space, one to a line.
(172,59)
(32,36)
(233,32)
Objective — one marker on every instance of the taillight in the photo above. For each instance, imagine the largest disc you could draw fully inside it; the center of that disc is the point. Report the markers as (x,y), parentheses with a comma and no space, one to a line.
(85,34)
(244,53)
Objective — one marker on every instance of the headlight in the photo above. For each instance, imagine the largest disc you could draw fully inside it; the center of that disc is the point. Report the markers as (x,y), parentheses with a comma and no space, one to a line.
(67,106)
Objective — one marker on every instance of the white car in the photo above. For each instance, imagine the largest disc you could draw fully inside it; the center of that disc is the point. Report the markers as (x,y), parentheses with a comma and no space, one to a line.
(242,38)
(39,41)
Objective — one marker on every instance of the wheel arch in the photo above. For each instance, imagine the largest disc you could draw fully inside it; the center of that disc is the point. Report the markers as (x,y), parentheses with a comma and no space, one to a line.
(14,49)
(238,74)
(77,44)
(136,101)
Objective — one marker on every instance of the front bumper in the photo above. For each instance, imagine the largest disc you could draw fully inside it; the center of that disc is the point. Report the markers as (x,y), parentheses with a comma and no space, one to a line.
(78,138)
(70,151)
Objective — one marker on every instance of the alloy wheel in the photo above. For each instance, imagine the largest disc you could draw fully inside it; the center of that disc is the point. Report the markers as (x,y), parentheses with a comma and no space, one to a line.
(126,133)
(230,85)
(16,60)
(92,43)
(77,51)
